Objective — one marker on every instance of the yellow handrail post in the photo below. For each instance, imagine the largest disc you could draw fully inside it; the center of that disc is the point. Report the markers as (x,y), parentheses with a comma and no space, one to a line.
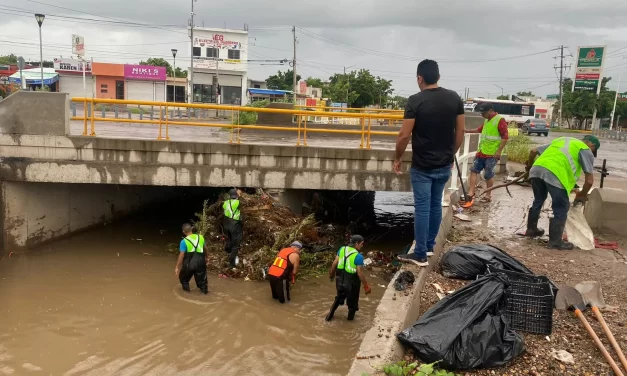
(238,128)
(85,116)
(298,139)
(305,132)
(160,121)
(363,123)
(167,131)
(369,128)
(93,125)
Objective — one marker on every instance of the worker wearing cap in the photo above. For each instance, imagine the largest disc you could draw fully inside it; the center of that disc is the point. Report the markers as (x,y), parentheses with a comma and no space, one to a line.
(555,173)
(494,136)
(233,227)
(192,260)
(283,271)
(348,272)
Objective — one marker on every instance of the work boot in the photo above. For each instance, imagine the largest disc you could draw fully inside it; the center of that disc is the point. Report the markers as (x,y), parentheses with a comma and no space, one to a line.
(334,306)
(556,230)
(532,224)
(351,315)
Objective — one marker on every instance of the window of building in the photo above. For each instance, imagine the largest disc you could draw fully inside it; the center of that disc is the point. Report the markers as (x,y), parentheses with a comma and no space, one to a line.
(104,86)
(256,86)
(119,89)
(314,93)
(196,51)
(231,95)
(234,54)
(203,94)
(213,52)
(104,91)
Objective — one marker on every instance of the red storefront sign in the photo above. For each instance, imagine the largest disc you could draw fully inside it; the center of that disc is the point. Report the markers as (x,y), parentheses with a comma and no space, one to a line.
(587,76)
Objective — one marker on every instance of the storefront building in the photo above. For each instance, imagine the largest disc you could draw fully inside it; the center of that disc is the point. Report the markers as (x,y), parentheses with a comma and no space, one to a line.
(145,83)
(220,62)
(71,77)
(109,80)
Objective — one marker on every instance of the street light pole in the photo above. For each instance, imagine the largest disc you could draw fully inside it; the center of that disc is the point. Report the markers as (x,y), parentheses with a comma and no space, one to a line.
(40,19)
(174,51)
(191,69)
(620,77)
(348,89)
(502,93)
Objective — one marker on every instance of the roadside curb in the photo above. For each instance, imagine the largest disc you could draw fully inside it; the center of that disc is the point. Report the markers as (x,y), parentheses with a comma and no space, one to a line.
(397,310)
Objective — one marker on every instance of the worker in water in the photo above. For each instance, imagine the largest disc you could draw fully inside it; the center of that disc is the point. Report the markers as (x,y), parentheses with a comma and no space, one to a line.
(348,272)
(233,227)
(555,173)
(283,271)
(192,260)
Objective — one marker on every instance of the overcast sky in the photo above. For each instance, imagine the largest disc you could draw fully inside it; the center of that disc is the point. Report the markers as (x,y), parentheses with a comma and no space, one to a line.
(388,37)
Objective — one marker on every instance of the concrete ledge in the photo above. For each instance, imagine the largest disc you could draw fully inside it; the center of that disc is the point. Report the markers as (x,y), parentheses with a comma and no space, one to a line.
(606,208)
(396,311)
(30,112)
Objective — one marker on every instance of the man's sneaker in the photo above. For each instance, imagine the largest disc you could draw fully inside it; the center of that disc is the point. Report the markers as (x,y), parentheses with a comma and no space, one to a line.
(430,253)
(413,258)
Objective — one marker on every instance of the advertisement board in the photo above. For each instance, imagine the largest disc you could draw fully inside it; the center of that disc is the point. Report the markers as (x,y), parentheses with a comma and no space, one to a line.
(71,65)
(589,68)
(78,45)
(144,72)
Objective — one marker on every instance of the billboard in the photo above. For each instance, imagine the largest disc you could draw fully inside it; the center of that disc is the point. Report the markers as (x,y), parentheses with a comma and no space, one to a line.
(144,72)
(589,71)
(71,65)
(78,45)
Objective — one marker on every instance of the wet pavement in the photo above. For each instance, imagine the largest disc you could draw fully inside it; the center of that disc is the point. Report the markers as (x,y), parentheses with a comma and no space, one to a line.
(106,302)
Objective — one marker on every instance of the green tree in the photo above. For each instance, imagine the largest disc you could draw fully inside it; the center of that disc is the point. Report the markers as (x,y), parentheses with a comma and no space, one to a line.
(579,106)
(8,59)
(282,80)
(398,102)
(340,89)
(314,82)
(161,62)
(525,94)
(503,97)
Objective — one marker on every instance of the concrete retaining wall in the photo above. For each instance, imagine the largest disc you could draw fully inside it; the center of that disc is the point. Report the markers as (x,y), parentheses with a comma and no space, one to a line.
(606,209)
(396,311)
(30,112)
(276,119)
(36,212)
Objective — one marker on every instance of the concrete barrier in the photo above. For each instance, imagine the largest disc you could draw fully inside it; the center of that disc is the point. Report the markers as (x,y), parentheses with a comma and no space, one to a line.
(606,208)
(397,310)
(276,119)
(30,112)
(610,134)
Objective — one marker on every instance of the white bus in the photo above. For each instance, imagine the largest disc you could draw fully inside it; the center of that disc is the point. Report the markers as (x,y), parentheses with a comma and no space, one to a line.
(515,113)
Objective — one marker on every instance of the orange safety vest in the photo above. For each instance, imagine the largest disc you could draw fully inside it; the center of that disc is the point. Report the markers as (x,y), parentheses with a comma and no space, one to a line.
(280,262)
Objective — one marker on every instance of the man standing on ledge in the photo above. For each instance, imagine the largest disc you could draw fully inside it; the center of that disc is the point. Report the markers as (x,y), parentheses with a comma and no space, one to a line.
(555,173)
(233,227)
(434,120)
(494,136)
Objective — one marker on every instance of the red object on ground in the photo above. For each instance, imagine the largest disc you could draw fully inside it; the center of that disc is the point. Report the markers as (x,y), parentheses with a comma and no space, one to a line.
(605,245)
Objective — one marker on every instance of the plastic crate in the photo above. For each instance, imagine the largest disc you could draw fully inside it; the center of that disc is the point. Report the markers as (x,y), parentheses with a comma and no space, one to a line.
(530,301)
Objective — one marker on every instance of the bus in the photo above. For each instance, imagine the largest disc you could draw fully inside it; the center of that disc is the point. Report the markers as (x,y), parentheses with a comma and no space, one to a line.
(515,113)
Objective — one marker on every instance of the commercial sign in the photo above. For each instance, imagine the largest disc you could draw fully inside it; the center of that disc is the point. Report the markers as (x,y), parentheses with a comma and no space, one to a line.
(622,96)
(589,68)
(144,72)
(553,96)
(302,88)
(71,65)
(205,63)
(217,41)
(78,45)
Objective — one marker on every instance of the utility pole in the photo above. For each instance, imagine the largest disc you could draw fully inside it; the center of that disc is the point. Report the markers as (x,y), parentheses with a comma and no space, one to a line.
(559,114)
(191,69)
(294,63)
(620,78)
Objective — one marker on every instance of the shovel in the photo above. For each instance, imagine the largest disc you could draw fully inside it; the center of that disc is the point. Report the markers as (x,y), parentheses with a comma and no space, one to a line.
(468,201)
(578,230)
(592,296)
(568,298)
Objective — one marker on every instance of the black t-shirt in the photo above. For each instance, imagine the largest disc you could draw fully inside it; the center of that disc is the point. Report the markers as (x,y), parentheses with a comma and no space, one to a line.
(433,136)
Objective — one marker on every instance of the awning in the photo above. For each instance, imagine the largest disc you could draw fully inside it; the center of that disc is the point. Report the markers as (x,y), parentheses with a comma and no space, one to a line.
(268,92)
(33,76)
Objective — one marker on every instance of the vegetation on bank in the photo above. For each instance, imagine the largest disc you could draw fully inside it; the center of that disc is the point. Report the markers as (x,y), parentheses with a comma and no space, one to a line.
(518,148)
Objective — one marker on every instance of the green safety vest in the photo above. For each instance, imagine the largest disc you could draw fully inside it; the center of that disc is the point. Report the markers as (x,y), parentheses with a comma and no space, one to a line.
(490,136)
(195,243)
(231,209)
(562,159)
(347,259)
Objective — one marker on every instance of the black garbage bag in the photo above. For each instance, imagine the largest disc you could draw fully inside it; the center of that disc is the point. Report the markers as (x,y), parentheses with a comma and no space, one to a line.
(469,261)
(404,280)
(466,329)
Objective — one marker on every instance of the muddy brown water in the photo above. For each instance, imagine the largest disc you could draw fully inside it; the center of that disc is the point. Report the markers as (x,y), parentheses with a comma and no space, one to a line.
(104,303)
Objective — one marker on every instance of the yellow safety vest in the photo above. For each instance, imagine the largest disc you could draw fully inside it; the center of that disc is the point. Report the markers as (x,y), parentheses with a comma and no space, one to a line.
(490,136)
(347,259)
(195,243)
(231,209)
(562,159)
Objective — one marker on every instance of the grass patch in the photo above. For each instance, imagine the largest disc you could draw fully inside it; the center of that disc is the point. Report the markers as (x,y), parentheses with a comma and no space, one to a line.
(244,117)
(138,110)
(518,148)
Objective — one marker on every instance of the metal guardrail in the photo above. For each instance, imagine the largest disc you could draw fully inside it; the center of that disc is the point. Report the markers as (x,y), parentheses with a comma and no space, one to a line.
(610,134)
(166,116)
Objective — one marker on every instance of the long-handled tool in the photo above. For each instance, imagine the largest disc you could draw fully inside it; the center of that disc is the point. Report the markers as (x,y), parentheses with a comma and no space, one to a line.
(592,296)
(569,298)
(468,201)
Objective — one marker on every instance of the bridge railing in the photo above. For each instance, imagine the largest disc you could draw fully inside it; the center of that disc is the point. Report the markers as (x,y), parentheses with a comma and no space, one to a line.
(166,114)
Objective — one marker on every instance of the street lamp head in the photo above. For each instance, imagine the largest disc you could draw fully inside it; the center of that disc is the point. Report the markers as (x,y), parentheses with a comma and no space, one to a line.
(174,51)
(40,18)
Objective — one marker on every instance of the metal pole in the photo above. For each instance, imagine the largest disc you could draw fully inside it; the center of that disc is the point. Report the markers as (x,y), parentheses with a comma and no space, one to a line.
(41,59)
(84,79)
(174,90)
(620,77)
(559,114)
(217,83)
(294,63)
(191,69)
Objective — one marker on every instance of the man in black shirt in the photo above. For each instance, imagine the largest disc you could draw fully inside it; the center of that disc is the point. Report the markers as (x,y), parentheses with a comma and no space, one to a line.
(434,120)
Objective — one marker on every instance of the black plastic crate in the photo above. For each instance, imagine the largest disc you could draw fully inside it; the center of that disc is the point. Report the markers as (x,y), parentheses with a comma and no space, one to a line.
(530,301)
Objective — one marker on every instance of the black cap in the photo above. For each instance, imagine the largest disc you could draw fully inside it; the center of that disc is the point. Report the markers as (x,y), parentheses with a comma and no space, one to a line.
(356,239)
(233,193)
(484,107)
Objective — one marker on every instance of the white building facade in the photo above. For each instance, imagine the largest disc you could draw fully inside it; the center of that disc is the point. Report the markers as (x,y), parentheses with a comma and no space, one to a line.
(219,61)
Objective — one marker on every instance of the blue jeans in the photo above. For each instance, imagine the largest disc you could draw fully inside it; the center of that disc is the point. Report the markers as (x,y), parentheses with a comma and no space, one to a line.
(559,196)
(428,186)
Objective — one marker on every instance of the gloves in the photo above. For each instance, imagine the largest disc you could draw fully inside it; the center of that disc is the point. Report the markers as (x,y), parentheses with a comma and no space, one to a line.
(367,288)
(293,278)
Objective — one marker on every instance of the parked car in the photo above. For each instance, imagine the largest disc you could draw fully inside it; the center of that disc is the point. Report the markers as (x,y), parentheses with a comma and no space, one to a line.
(535,126)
